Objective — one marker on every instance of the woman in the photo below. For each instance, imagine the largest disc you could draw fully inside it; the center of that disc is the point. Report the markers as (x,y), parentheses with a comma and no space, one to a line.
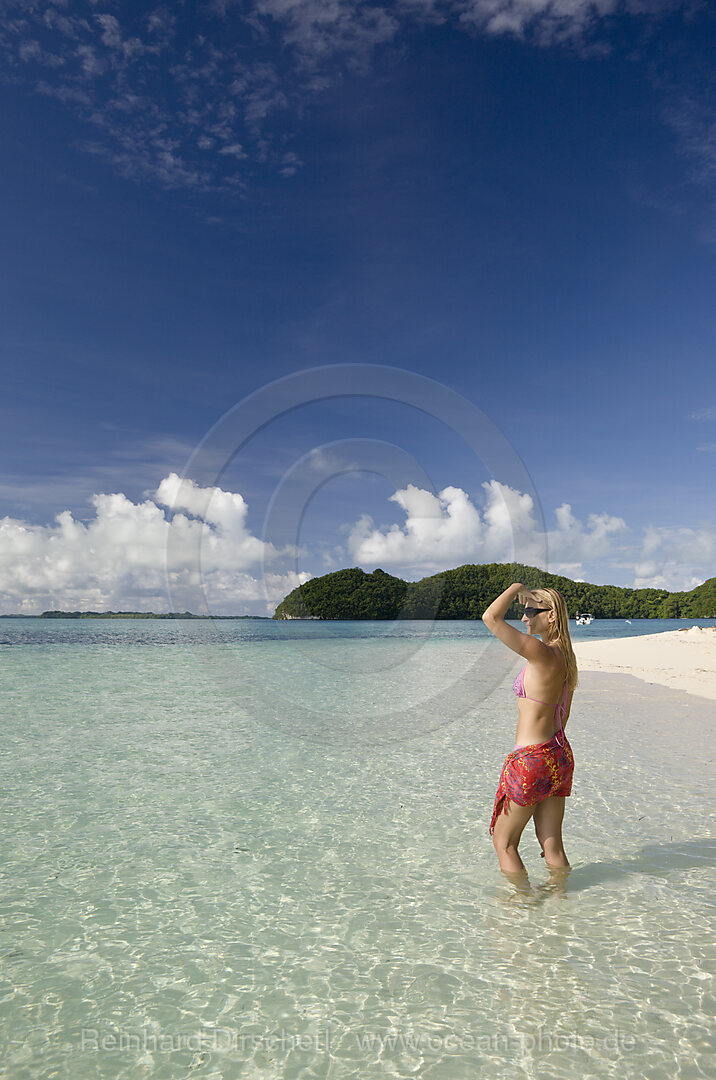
(537,775)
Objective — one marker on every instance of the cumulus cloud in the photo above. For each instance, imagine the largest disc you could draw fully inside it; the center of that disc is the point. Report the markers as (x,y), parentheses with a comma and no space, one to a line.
(573,542)
(448,529)
(676,558)
(439,530)
(118,559)
(121,557)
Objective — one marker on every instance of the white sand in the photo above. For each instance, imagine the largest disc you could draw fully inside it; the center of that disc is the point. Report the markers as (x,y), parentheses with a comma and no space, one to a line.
(681,659)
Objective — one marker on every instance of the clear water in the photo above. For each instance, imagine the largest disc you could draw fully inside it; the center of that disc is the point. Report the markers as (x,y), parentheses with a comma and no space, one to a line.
(261,850)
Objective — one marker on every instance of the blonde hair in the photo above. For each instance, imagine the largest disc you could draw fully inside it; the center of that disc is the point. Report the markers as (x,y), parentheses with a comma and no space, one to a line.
(560,629)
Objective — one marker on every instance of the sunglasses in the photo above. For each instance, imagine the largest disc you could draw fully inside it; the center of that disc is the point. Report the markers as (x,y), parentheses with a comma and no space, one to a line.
(530,612)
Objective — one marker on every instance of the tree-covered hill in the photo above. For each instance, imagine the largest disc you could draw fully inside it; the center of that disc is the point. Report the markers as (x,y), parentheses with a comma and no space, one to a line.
(465,592)
(346,594)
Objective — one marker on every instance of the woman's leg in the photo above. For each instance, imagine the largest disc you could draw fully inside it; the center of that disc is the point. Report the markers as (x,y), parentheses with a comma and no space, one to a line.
(506,836)
(548,826)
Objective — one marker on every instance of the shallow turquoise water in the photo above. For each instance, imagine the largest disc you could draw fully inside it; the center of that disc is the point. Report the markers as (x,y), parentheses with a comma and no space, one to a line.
(261,850)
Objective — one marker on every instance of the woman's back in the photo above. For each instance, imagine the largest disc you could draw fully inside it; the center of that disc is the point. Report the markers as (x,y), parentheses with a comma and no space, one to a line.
(544,701)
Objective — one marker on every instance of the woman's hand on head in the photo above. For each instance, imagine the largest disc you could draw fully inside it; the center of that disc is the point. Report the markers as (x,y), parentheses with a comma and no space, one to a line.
(524,596)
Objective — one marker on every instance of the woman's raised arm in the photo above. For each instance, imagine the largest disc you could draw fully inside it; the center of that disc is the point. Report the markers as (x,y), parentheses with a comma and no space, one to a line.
(494,619)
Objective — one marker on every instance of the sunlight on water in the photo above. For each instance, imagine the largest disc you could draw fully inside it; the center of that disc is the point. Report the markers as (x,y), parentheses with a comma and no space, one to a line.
(244,862)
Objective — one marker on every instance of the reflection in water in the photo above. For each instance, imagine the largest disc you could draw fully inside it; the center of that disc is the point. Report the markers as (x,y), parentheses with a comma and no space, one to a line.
(523,892)
(556,887)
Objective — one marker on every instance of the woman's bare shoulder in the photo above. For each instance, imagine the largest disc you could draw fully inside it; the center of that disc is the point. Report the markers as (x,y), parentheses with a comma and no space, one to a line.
(549,658)
(558,654)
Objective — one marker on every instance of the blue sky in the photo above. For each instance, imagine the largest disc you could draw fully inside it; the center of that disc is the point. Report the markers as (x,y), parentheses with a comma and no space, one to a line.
(513,197)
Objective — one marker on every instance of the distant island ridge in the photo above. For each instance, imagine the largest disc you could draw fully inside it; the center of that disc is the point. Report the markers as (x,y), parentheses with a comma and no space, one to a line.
(128,615)
(461,594)
(465,592)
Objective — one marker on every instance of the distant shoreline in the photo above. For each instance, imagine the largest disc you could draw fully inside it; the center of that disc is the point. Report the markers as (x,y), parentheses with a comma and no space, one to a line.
(50,615)
(129,615)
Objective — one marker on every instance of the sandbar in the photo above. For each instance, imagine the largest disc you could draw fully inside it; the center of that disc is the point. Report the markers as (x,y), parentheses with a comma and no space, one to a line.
(680,659)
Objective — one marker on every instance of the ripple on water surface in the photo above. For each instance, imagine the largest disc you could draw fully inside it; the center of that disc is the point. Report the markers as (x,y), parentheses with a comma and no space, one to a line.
(195,888)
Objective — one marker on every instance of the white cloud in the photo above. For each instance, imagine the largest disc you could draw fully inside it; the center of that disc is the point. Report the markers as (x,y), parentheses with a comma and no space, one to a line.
(444,529)
(234,150)
(320,27)
(549,19)
(447,530)
(184,96)
(676,558)
(574,543)
(118,559)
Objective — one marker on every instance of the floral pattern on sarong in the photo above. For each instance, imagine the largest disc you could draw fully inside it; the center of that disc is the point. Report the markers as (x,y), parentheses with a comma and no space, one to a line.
(533,773)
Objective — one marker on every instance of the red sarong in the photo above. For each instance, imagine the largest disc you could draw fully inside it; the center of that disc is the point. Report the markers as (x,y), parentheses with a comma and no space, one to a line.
(533,773)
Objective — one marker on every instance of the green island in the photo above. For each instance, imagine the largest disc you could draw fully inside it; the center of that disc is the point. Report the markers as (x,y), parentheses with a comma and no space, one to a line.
(465,592)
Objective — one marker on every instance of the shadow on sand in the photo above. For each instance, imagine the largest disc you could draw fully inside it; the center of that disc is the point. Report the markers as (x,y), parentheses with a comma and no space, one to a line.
(655,860)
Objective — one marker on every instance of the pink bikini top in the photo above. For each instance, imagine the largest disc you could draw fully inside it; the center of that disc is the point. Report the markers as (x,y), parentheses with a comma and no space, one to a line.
(560,711)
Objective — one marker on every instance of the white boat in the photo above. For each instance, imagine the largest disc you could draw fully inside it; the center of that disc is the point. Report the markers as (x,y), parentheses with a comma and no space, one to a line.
(584,618)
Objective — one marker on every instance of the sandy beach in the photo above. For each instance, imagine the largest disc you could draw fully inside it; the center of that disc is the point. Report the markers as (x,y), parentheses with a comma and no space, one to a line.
(680,659)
